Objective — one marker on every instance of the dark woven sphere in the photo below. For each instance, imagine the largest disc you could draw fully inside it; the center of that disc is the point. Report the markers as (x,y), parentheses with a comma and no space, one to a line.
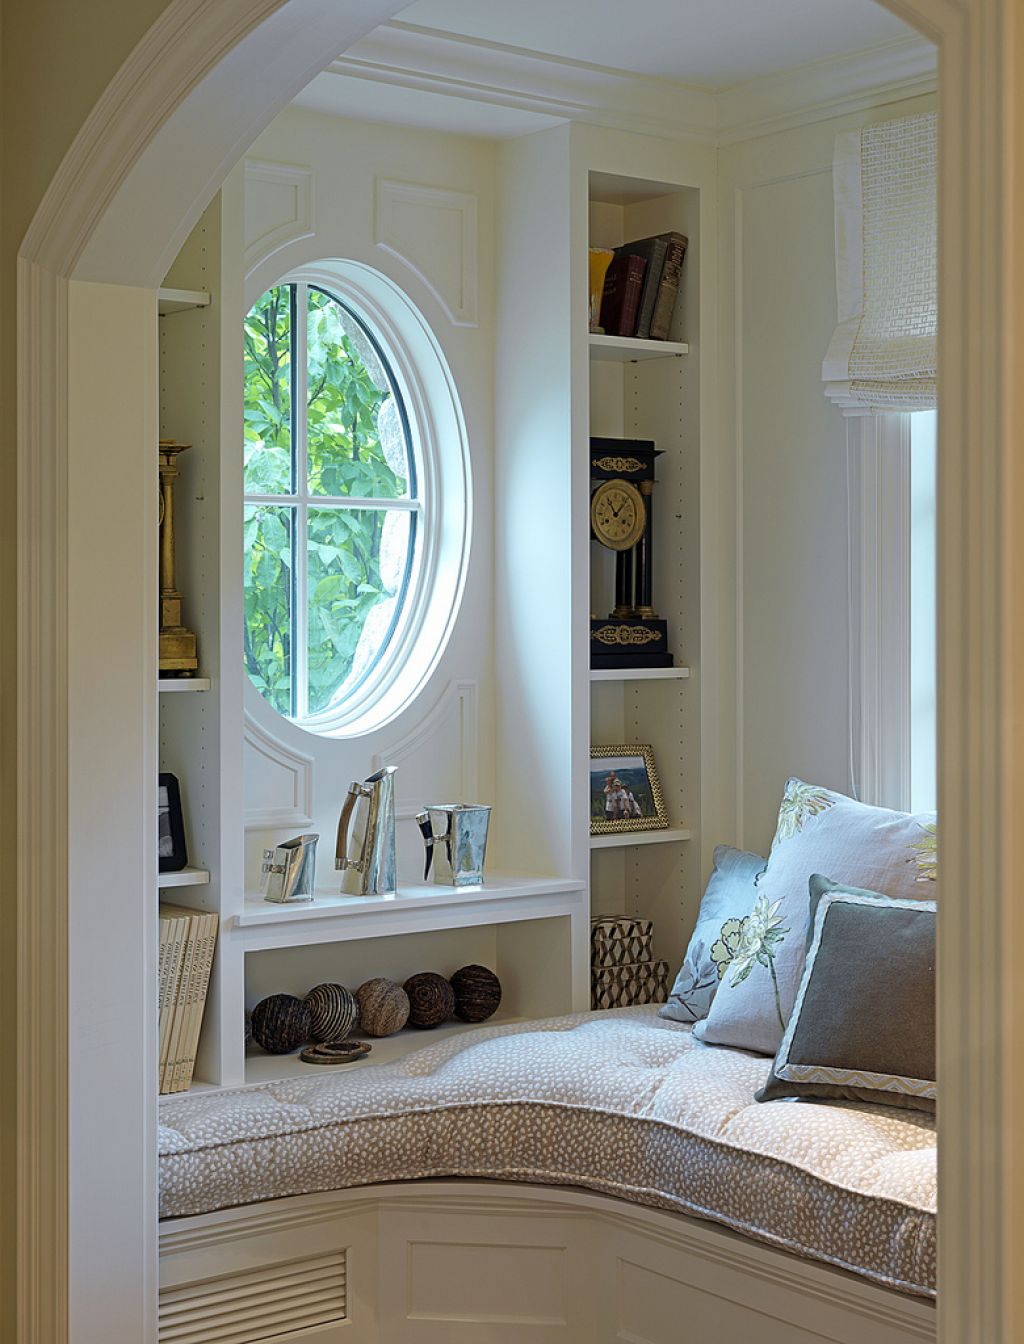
(477,993)
(333,1011)
(280,1024)
(431,999)
(383,1007)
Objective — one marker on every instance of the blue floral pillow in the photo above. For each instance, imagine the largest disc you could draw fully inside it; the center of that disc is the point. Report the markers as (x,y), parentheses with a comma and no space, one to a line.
(724,911)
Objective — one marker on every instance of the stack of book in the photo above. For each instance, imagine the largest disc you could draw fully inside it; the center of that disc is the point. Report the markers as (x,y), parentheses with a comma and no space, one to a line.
(641,287)
(187,942)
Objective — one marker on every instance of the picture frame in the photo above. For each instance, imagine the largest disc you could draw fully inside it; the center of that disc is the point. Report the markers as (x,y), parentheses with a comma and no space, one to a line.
(171,851)
(625,791)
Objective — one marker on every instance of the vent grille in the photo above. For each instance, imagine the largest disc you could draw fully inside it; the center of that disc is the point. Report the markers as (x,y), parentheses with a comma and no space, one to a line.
(262,1304)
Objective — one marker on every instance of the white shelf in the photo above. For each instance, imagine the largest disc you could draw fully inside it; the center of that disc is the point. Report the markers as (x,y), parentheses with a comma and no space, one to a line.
(422,907)
(639,673)
(632,350)
(178,300)
(188,877)
(183,684)
(622,839)
(264,1068)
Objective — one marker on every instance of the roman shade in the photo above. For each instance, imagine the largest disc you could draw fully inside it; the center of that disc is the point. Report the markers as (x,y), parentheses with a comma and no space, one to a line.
(882,355)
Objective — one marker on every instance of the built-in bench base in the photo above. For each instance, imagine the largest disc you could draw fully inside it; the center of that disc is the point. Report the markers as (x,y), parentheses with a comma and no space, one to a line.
(476,1262)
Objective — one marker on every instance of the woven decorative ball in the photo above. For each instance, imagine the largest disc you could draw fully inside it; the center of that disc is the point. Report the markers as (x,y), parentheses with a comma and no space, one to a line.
(333,1011)
(280,1024)
(383,1007)
(431,999)
(477,993)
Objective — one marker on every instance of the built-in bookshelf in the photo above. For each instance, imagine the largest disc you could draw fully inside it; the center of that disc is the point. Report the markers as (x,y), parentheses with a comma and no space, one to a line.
(644,389)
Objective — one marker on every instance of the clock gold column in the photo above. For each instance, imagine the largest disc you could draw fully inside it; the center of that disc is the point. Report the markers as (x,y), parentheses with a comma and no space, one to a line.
(177,643)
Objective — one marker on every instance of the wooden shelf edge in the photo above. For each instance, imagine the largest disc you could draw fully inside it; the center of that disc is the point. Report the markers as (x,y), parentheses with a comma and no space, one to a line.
(188,877)
(258,913)
(625,839)
(632,349)
(639,673)
(179,300)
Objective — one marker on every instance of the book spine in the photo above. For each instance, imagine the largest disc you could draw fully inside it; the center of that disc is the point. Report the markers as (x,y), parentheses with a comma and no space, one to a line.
(181,1001)
(622,294)
(177,934)
(163,971)
(199,982)
(635,268)
(652,282)
(668,289)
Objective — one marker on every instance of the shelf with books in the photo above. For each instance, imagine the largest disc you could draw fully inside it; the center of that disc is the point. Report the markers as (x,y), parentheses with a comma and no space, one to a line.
(651,392)
(633,350)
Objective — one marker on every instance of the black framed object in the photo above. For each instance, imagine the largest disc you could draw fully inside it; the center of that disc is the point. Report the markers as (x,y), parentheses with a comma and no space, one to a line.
(171,849)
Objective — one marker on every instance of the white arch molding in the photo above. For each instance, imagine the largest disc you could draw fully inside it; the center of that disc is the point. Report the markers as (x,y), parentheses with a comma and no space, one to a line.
(188,102)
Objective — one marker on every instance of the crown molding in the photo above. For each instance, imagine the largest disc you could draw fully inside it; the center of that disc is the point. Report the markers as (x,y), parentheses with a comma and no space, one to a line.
(409,56)
(903,68)
(459,67)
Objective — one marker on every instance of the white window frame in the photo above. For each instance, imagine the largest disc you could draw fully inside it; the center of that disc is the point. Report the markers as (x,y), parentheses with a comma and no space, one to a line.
(881,512)
(301,501)
(440,448)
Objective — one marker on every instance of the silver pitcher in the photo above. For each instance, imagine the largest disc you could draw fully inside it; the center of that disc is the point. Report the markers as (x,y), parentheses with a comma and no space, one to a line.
(289,870)
(365,852)
(455,835)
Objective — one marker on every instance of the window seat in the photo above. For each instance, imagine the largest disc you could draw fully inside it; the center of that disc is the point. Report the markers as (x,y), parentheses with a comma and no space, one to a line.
(619,1102)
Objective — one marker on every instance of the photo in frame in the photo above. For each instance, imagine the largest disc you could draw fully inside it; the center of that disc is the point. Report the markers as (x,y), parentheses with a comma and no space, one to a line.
(171,850)
(625,791)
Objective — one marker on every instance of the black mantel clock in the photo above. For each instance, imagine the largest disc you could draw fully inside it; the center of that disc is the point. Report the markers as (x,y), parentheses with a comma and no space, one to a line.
(622,482)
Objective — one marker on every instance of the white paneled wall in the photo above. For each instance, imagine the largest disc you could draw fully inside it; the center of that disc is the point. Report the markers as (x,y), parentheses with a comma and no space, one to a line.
(419,207)
(783,464)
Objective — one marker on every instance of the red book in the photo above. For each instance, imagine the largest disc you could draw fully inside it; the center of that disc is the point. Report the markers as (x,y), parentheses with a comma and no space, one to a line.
(620,302)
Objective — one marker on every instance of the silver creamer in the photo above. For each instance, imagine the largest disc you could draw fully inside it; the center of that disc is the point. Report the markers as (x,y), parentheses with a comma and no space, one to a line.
(455,836)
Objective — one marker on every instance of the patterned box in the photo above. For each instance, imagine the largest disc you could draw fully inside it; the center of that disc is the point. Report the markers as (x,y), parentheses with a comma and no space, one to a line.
(619,940)
(626,986)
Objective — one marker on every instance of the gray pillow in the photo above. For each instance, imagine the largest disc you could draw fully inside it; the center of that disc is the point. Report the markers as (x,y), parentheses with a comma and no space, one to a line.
(863,1024)
(727,903)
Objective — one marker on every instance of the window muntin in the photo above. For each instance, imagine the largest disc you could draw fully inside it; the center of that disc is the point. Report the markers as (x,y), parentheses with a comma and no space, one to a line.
(332,512)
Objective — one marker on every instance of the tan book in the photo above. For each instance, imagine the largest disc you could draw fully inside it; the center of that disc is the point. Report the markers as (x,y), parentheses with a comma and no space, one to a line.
(174,934)
(195,1003)
(191,921)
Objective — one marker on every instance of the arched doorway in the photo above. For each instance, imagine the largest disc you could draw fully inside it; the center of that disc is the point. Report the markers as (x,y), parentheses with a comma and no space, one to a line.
(190,99)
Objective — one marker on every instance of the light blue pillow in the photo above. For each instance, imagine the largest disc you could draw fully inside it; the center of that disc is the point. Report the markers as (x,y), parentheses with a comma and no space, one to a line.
(728,900)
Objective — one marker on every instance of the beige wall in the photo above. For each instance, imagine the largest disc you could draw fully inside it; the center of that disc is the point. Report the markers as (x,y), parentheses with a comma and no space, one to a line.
(57,58)
(786,451)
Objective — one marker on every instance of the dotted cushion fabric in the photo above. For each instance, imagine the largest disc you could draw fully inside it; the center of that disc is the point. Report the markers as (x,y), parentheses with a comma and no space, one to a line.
(818,831)
(620,1101)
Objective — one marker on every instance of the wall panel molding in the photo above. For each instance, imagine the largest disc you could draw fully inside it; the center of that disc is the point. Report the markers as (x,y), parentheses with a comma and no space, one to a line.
(409,218)
(279,208)
(297,810)
(452,723)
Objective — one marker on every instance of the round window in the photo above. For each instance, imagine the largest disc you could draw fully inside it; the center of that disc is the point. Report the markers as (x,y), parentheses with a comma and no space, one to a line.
(341,525)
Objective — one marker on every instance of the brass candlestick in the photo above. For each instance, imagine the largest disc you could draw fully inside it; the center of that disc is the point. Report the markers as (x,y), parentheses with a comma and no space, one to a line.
(177,643)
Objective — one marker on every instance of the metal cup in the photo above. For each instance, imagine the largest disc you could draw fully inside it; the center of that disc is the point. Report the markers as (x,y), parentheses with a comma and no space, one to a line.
(289,870)
(455,836)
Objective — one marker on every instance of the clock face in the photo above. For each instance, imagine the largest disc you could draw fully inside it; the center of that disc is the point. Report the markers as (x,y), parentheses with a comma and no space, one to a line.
(617,514)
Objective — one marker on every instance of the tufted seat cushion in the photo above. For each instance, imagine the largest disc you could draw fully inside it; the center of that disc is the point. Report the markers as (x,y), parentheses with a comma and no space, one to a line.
(622,1102)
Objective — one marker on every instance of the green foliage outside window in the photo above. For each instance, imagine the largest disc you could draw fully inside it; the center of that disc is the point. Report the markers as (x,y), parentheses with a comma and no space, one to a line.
(357,558)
